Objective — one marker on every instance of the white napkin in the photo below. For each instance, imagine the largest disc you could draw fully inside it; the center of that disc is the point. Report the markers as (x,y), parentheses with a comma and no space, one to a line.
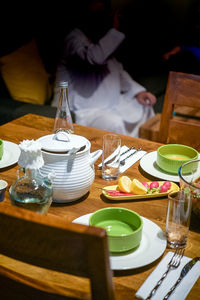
(181,290)
(129,161)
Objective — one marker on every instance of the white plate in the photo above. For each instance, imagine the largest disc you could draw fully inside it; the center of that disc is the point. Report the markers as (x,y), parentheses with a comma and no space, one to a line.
(11,154)
(148,164)
(152,246)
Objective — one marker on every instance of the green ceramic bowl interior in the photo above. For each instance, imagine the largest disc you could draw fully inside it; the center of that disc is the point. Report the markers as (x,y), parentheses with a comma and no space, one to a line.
(170,157)
(1,149)
(123,227)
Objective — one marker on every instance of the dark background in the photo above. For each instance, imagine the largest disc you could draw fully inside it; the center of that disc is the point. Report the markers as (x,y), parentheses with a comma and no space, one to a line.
(152,27)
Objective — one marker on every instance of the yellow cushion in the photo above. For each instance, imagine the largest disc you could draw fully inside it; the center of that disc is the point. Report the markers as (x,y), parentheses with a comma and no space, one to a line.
(25,76)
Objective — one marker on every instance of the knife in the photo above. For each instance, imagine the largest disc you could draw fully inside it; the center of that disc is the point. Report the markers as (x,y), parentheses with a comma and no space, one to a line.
(109,161)
(184,271)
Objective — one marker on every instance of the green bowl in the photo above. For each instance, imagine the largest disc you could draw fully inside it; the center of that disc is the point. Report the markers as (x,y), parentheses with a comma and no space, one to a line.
(123,227)
(170,157)
(1,149)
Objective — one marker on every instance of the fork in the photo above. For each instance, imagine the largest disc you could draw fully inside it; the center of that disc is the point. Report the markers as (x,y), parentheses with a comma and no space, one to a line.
(173,264)
(122,162)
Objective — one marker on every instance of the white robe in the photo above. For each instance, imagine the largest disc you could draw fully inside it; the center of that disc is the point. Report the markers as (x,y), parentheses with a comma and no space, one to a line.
(101,92)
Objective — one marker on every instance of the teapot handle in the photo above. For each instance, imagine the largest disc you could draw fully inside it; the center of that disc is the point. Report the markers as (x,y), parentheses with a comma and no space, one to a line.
(94,156)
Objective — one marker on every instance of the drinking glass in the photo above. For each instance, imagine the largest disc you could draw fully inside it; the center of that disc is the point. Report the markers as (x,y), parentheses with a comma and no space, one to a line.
(111,156)
(189,177)
(178,218)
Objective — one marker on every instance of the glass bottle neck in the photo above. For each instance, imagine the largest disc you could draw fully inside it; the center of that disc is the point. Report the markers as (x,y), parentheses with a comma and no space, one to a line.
(63,101)
(63,120)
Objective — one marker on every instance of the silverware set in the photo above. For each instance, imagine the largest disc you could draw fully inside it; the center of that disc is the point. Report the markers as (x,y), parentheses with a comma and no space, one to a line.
(126,151)
(122,162)
(174,263)
(184,271)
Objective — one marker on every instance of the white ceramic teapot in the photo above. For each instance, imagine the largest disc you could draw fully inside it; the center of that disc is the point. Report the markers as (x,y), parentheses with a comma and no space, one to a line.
(69,157)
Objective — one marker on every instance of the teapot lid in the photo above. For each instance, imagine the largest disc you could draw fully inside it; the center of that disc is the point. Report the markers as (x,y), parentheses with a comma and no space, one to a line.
(62,142)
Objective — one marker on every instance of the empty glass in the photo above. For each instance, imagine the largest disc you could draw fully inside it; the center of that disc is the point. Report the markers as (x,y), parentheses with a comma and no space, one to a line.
(178,218)
(111,156)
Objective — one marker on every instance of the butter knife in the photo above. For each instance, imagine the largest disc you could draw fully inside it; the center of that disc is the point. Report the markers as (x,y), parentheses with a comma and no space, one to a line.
(184,271)
(109,161)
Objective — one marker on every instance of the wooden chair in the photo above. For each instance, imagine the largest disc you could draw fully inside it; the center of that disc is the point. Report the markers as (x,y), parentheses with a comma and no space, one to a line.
(180,118)
(52,243)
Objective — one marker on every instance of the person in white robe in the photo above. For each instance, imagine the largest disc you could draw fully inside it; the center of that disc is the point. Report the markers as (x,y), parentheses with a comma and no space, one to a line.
(101,93)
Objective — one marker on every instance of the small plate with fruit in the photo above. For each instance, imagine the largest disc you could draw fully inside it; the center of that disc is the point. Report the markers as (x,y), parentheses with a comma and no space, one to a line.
(128,189)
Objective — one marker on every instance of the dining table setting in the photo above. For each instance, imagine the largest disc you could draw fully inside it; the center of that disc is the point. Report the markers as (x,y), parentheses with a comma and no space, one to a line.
(127,174)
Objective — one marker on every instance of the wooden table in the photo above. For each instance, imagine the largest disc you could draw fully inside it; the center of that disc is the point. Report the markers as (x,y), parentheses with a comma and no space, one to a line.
(126,282)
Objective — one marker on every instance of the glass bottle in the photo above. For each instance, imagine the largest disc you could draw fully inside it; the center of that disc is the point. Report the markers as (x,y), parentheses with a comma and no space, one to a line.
(31,190)
(63,119)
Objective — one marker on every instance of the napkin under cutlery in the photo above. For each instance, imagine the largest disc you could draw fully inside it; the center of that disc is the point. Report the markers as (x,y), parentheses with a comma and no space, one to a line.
(181,290)
(129,161)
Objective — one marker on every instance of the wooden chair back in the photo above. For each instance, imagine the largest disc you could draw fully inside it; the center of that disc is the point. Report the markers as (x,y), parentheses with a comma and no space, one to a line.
(183,91)
(52,243)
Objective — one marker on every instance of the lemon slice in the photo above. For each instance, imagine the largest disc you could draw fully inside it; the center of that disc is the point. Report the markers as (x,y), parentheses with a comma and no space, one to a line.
(124,184)
(138,188)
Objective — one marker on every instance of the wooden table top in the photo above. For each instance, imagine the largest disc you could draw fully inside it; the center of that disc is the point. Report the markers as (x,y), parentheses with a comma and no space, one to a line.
(126,282)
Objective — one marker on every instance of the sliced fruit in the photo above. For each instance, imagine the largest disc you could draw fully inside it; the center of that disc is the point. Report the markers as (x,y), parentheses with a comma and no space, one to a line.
(124,184)
(138,188)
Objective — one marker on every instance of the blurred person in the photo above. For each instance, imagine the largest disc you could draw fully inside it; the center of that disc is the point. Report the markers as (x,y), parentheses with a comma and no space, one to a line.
(101,93)
(185,55)
(184,58)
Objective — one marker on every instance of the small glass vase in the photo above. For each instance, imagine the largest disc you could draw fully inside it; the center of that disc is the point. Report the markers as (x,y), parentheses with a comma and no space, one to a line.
(32,191)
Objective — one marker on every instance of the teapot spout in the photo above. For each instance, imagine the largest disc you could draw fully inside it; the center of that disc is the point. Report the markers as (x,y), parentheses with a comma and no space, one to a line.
(94,156)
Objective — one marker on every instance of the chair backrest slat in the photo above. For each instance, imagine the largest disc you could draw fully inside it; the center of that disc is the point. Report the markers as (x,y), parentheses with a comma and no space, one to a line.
(183,90)
(52,243)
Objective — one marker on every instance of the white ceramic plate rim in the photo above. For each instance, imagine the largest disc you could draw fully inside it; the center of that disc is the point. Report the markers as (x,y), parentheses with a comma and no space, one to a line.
(11,152)
(147,163)
(152,246)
